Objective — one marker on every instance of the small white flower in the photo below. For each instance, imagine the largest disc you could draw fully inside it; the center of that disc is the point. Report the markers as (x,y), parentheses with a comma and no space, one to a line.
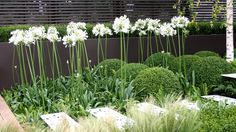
(121,25)
(101,30)
(52,35)
(90,61)
(67,61)
(166,29)
(180,21)
(15,66)
(140,26)
(17,37)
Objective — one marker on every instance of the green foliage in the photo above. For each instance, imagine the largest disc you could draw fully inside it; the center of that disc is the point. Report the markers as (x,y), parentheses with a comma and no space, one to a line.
(108,67)
(150,80)
(209,69)
(217,118)
(206,54)
(159,60)
(186,63)
(131,70)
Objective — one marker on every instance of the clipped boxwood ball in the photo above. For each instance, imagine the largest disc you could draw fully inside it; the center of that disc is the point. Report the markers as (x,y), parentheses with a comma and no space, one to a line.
(108,67)
(206,54)
(209,69)
(131,69)
(150,80)
(159,60)
(186,63)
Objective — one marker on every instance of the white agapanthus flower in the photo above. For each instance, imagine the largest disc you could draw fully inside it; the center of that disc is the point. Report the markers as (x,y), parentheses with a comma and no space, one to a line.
(52,34)
(76,37)
(166,29)
(73,26)
(140,26)
(17,37)
(28,38)
(38,32)
(121,24)
(101,30)
(152,24)
(180,21)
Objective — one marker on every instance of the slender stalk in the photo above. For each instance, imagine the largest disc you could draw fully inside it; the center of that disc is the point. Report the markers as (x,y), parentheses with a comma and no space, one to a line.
(29,65)
(23,63)
(86,54)
(51,61)
(106,47)
(139,52)
(13,64)
(20,66)
(39,61)
(173,42)
(127,48)
(32,64)
(148,45)
(157,47)
(162,47)
(102,50)
(56,59)
(98,49)
(179,44)
(141,49)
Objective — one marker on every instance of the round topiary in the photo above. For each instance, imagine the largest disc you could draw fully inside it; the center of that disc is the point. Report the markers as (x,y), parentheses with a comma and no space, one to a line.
(131,69)
(186,63)
(150,80)
(159,60)
(209,69)
(108,67)
(206,54)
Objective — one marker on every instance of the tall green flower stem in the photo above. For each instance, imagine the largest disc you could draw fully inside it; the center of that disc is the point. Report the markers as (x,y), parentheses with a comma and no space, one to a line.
(30,61)
(106,41)
(56,59)
(23,63)
(157,46)
(160,40)
(179,47)
(140,49)
(71,62)
(100,48)
(168,47)
(173,43)
(41,63)
(122,58)
(21,76)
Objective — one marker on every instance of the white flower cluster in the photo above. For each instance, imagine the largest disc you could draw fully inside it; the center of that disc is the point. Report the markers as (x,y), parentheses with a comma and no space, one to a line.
(166,29)
(72,27)
(52,35)
(27,37)
(101,30)
(180,21)
(75,34)
(146,25)
(121,25)
(17,37)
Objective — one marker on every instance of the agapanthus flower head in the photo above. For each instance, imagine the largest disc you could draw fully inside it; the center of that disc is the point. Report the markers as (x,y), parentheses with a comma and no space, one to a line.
(166,29)
(180,21)
(140,26)
(28,38)
(73,26)
(101,30)
(76,37)
(121,24)
(38,32)
(17,37)
(152,24)
(52,34)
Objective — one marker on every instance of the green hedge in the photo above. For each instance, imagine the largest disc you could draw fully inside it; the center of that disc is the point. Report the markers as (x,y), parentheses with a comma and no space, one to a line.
(194,28)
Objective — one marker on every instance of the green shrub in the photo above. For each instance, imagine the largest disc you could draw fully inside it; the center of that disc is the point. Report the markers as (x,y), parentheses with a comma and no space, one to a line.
(150,80)
(132,70)
(217,118)
(206,54)
(186,63)
(159,60)
(209,69)
(108,67)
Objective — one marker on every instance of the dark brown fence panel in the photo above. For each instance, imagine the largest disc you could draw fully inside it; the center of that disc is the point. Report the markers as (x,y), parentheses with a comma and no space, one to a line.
(64,11)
